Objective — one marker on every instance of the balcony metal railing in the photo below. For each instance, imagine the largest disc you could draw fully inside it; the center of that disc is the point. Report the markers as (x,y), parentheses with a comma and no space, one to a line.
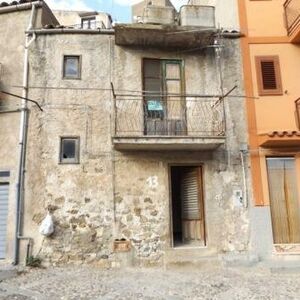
(292,15)
(174,116)
(92,25)
(297,104)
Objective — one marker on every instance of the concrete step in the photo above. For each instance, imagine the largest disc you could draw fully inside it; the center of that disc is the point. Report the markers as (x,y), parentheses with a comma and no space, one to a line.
(240,260)
(191,258)
(282,263)
(8,271)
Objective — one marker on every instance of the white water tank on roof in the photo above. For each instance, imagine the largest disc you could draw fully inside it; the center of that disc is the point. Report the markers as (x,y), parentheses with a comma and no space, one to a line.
(197,15)
(159,15)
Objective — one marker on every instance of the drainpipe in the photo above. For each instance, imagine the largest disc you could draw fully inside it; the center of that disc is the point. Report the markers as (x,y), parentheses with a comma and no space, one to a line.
(245,191)
(22,145)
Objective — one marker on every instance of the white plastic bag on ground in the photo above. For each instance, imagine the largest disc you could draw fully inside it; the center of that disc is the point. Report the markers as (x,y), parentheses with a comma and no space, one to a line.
(47,226)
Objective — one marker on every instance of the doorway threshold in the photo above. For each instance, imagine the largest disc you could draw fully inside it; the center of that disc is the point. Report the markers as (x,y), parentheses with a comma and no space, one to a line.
(183,247)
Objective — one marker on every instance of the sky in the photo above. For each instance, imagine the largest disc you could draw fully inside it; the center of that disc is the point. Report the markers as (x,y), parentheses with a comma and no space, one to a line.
(119,9)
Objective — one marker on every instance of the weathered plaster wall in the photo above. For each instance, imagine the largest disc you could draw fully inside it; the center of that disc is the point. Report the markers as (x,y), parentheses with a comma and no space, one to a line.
(143,212)
(108,195)
(80,195)
(12,32)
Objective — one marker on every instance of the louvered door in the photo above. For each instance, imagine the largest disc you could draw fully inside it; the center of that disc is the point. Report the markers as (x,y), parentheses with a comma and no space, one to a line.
(192,208)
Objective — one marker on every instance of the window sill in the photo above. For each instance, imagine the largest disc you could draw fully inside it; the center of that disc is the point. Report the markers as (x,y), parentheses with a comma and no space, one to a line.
(71,78)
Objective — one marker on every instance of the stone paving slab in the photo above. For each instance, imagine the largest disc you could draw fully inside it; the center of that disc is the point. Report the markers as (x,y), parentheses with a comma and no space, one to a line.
(9,271)
(87,282)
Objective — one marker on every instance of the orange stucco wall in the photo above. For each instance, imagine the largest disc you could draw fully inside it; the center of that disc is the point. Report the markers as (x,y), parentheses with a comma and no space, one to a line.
(263,23)
(265,17)
(277,112)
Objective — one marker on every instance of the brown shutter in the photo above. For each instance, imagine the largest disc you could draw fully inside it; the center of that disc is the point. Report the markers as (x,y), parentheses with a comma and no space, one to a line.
(268,75)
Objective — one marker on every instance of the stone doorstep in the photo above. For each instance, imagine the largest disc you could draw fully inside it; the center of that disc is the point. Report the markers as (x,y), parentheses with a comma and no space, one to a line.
(191,252)
(282,263)
(8,273)
(274,263)
(191,257)
(7,270)
(240,260)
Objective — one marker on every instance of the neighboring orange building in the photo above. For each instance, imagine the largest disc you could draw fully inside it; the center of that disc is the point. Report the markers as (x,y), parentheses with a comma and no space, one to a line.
(271,57)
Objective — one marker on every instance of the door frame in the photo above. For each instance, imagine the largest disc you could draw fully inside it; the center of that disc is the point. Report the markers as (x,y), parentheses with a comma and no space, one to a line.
(201,167)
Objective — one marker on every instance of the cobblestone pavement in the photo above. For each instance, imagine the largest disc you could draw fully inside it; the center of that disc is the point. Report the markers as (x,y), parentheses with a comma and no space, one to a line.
(92,283)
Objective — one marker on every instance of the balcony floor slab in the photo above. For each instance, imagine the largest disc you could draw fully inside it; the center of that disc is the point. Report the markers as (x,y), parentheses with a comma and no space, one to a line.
(168,143)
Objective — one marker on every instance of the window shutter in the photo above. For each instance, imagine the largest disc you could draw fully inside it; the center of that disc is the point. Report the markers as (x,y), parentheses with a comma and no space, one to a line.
(268,75)
(190,195)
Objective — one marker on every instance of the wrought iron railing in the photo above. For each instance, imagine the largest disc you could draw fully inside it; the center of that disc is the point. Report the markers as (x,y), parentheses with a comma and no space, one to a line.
(174,116)
(297,103)
(292,15)
(92,25)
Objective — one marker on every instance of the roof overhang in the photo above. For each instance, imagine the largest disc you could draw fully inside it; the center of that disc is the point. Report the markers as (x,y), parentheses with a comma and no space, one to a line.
(164,36)
(277,139)
(20,6)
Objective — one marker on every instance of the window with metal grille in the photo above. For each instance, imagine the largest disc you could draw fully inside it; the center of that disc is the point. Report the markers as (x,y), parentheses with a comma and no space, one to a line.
(268,75)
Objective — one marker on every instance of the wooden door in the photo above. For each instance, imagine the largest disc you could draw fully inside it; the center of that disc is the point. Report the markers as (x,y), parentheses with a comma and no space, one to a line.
(284,200)
(192,206)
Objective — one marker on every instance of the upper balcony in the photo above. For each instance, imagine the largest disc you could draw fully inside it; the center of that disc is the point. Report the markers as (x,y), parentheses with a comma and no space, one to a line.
(171,122)
(292,15)
(162,27)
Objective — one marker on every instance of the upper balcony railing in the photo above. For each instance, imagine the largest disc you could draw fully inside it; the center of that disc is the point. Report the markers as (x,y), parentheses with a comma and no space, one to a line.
(90,25)
(171,116)
(292,14)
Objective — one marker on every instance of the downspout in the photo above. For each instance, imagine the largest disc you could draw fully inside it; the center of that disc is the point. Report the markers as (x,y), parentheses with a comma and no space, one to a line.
(22,144)
(245,191)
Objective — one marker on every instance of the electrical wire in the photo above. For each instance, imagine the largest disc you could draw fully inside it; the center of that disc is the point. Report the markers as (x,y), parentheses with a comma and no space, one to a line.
(142,92)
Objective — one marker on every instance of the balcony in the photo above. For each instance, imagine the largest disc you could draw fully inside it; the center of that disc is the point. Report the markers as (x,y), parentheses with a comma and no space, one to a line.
(292,15)
(174,123)
(158,27)
(164,36)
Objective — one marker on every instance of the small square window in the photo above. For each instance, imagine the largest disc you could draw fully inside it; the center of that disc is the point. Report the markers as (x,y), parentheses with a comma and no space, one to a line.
(268,75)
(71,67)
(69,150)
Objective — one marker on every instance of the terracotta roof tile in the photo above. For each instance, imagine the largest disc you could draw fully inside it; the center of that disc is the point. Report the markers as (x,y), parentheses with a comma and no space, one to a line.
(284,133)
(10,3)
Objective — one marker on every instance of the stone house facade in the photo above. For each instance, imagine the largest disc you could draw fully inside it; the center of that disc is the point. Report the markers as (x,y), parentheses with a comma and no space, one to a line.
(139,150)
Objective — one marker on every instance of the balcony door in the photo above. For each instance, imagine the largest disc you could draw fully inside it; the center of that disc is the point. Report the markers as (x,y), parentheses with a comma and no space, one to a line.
(164,107)
(284,200)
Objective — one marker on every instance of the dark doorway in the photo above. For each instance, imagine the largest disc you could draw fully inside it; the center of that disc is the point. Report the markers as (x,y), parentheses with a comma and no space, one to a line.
(188,226)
